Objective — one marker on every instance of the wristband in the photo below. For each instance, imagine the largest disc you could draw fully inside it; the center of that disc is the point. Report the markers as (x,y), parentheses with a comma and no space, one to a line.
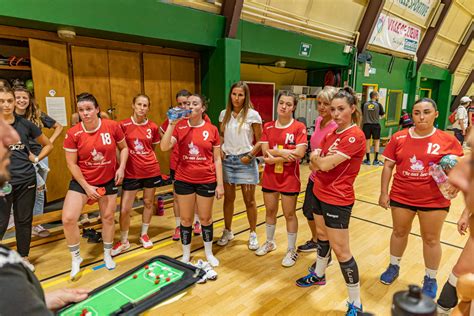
(36,159)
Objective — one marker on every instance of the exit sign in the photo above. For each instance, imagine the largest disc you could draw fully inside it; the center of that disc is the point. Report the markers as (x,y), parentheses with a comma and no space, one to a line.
(305,49)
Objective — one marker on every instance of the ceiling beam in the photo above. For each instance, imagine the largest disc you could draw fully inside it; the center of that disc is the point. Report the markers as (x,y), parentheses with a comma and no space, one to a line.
(462,49)
(464,90)
(368,23)
(431,31)
(231,9)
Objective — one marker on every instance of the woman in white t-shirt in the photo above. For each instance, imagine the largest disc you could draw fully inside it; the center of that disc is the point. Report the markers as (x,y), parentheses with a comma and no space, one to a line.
(462,122)
(240,125)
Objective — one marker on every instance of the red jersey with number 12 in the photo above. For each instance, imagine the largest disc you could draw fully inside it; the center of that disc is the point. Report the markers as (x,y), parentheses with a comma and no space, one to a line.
(336,185)
(140,139)
(288,137)
(96,150)
(412,183)
(196,152)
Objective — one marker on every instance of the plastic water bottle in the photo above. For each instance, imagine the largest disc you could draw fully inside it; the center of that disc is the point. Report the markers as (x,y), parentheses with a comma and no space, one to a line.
(177,113)
(6,189)
(441,179)
(160,206)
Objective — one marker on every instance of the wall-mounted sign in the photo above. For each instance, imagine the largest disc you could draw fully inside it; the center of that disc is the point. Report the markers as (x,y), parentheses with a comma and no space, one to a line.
(305,49)
(395,34)
(420,8)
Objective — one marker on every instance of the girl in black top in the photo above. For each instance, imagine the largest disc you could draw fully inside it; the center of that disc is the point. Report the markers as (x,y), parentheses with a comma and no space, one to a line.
(22,173)
(26,107)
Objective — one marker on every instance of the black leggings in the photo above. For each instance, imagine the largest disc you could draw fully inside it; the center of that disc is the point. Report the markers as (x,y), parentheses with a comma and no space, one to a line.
(22,198)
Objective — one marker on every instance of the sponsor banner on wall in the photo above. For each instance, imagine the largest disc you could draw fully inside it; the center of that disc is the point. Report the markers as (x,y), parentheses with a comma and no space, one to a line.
(420,8)
(395,34)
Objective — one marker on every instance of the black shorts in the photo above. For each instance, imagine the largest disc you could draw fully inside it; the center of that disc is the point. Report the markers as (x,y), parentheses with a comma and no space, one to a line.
(282,193)
(110,187)
(309,204)
(172,175)
(371,131)
(335,216)
(417,208)
(137,184)
(202,189)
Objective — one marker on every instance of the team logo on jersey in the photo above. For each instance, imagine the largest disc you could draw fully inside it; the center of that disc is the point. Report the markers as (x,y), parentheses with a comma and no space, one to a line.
(416,165)
(352,140)
(138,146)
(97,156)
(193,149)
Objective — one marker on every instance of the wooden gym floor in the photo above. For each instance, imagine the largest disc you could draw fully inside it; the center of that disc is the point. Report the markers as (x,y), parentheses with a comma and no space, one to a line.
(248,284)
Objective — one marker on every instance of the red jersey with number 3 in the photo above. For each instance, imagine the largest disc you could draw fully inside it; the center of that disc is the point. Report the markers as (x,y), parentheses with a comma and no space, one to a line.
(142,162)
(283,137)
(174,152)
(196,152)
(336,186)
(96,150)
(412,183)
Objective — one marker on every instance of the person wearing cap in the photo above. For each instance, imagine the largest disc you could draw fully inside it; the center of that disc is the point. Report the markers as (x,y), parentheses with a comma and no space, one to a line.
(461,123)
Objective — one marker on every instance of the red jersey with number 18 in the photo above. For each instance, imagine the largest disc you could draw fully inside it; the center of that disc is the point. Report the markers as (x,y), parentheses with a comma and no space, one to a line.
(336,185)
(283,137)
(196,152)
(412,183)
(96,150)
(140,138)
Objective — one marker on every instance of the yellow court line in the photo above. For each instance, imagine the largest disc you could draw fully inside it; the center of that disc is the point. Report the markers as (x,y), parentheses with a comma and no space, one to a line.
(369,172)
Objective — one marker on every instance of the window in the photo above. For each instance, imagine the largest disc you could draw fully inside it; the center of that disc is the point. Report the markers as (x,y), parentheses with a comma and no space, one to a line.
(394,107)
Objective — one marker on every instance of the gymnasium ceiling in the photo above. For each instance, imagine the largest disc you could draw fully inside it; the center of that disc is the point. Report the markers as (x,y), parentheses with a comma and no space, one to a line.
(339,20)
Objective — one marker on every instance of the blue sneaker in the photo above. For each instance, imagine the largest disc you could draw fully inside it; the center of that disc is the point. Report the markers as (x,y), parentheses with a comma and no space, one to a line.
(430,287)
(352,310)
(390,274)
(311,279)
(366,162)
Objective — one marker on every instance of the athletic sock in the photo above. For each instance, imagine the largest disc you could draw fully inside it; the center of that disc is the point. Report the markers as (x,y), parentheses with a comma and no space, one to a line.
(123,236)
(207,232)
(448,297)
(431,273)
(292,240)
(196,218)
(145,229)
(186,253)
(109,262)
(178,221)
(350,272)
(395,260)
(376,156)
(324,249)
(270,229)
(367,156)
(75,252)
(209,254)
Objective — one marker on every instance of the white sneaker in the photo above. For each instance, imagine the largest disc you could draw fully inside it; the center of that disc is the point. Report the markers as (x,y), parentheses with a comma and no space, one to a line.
(40,231)
(210,273)
(253,241)
(443,311)
(266,248)
(227,236)
(119,247)
(28,264)
(290,258)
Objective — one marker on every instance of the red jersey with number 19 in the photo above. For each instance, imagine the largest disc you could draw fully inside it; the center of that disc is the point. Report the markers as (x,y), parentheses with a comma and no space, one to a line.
(196,152)
(283,137)
(336,185)
(140,139)
(412,183)
(96,150)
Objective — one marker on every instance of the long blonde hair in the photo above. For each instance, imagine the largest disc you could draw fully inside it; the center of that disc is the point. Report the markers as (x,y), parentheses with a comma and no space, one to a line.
(245,108)
(32,112)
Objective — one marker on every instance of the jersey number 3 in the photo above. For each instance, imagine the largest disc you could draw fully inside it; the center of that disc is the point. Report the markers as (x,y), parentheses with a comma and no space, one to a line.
(106,140)
(433,149)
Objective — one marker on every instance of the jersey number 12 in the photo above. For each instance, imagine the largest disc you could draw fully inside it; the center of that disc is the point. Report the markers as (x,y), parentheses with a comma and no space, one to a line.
(433,149)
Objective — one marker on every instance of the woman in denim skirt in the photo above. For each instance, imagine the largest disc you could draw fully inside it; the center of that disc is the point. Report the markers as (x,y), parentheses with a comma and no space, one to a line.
(240,126)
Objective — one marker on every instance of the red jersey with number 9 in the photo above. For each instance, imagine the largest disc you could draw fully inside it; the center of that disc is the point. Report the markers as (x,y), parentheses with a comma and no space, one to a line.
(412,183)
(96,150)
(336,186)
(283,137)
(142,162)
(196,152)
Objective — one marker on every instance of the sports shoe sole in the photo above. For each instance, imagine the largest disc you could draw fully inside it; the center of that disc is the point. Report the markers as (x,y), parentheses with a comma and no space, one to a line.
(305,250)
(309,285)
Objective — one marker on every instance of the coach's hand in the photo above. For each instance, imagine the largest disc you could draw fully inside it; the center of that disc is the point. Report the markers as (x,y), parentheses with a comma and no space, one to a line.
(384,200)
(119,176)
(219,191)
(60,298)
